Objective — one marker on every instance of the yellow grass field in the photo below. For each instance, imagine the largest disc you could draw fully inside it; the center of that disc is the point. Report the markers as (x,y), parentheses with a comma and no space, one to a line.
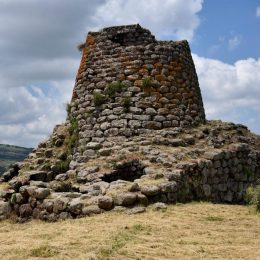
(184,231)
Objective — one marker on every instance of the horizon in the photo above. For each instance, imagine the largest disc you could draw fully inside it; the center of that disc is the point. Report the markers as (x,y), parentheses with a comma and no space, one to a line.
(40,57)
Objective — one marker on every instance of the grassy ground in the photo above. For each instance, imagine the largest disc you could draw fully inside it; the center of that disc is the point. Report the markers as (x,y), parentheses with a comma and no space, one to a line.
(185,231)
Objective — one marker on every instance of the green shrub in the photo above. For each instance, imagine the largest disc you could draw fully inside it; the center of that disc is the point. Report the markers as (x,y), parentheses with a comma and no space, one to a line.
(147,83)
(114,87)
(81,46)
(126,103)
(68,108)
(63,166)
(253,196)
(99,99)
(69,143)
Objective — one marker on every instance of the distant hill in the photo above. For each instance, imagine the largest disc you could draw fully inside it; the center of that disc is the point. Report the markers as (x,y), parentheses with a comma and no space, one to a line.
(10,154)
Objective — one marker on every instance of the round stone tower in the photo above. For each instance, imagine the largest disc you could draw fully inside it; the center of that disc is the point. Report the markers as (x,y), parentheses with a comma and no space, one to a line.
(129,83)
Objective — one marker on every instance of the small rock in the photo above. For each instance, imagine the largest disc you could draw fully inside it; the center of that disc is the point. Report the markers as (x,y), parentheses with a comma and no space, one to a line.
(142,199)
(119,209)
(207,190)
(105,152)
(48,153)
(61,177)
(136,210)
(169,187)
(60,204)
(37,175)
(93,145)
(105,202)
(134,187)
(159,205)
(125,199)
(38,193)
(90,210)
(75,206)
(25,211)
(15,184)
(5,210)
(150,190)
(65,215)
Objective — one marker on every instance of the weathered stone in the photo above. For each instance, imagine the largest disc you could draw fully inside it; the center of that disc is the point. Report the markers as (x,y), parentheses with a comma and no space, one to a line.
(65,215)
(93,145)
(5,210)
(37,175)
(90,210)
(152,125)
(61,177)
(25,211)
(105,202)
(15,184)
(136,210)
(169,187)
(83,175)
(125,199)
(60,204)
(75,206)
(150,111)
(105,152)
(134,187)
(38,193)
(207,190)
(159,206)
(151,190)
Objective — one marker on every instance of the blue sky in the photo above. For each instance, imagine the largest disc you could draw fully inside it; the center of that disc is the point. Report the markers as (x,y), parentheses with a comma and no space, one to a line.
(39,58)
(224,22)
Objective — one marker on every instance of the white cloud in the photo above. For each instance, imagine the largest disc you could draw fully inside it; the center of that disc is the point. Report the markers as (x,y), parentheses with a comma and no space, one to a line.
(28,114)
(174,18)
(234,42)
(258,12)
(231,92)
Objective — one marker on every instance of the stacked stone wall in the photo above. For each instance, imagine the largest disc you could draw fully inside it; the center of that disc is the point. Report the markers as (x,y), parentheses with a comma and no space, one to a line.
(130,55)
(220,176)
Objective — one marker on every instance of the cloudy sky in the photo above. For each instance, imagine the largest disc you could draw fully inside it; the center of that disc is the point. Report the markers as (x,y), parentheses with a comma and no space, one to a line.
(39,57)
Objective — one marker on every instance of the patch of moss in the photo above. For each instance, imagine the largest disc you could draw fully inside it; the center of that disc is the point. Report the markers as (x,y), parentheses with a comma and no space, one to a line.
(113,88)
(126,103)
(99,99)
(147,83)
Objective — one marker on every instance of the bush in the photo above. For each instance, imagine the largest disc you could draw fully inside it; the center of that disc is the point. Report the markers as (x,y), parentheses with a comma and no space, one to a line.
(253,196)
(68,108)
(81,46)
(147,83)
(99,99)
(69,143)
(114,87)
(126,103)
(63,166)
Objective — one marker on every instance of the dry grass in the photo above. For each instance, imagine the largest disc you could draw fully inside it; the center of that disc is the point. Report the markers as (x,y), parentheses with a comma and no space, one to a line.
(190,231)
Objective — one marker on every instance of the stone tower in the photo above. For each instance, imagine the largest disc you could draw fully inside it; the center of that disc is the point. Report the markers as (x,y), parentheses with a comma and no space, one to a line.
(135,134)
(129,83)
